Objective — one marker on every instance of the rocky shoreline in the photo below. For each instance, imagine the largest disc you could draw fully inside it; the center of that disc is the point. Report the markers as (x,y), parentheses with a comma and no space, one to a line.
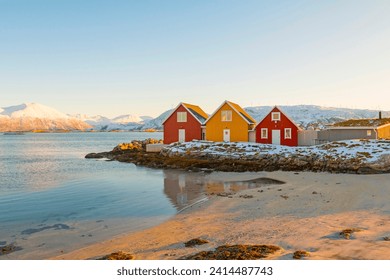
(232,157)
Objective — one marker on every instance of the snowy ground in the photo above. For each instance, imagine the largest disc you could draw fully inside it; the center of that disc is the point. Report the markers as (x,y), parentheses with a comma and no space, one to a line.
(369,151)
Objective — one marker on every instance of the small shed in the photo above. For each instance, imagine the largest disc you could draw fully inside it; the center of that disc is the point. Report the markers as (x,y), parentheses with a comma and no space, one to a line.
(184,124)
(277,128)
(356,129)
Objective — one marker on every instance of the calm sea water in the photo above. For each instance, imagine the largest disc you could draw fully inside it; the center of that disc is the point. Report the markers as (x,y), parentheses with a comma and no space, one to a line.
(53,200)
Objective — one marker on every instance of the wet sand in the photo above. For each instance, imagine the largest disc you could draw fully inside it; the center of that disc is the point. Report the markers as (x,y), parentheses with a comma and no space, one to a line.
(307,213)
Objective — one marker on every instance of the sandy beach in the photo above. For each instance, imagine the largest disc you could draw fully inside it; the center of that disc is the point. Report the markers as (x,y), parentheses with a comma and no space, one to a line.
(306,213)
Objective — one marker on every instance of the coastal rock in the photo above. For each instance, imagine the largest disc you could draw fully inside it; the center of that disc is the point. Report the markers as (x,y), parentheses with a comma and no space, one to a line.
(10,248)
(336,157)
(106,155)
(94,155)
(136,145)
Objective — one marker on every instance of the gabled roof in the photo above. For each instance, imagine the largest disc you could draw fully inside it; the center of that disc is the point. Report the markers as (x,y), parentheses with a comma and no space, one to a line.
(242,112)
(238,109)
(194,110)
(197,112)
(281,111)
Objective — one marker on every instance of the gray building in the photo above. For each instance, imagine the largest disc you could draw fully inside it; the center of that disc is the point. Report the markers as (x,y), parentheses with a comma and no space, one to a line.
(356,129)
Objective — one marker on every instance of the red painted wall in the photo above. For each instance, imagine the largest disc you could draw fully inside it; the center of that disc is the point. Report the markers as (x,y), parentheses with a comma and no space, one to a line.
(279,125)
(171,127)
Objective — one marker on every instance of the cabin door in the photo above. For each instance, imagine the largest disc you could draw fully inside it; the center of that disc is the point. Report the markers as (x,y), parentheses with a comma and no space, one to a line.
(226,135)
(182,135)
(276,137)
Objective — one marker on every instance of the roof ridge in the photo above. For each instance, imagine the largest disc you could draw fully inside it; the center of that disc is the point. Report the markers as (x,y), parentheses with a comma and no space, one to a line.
(243,112)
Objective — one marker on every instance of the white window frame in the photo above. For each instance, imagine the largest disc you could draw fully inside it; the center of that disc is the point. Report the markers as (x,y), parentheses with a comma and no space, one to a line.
(369,133)
(181,116)
(273,116)
(264,136)
(285,133)
(226,115)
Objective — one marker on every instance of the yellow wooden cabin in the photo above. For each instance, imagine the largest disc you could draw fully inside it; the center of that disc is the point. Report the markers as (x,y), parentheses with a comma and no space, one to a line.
(229,123)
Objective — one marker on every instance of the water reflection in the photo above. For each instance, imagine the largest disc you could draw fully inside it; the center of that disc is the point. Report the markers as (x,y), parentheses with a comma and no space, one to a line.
(182,188)
(185,188)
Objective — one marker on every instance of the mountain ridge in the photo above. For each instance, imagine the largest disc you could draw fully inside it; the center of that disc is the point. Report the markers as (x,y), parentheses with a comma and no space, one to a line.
(37,117)
(314,116)
(34,116)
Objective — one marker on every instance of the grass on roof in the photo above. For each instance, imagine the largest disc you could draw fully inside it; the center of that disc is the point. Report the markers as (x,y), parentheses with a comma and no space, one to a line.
(363,122)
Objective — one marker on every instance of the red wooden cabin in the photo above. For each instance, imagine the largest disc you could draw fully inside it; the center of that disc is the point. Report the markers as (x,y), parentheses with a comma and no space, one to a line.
(277,128)
(184,124)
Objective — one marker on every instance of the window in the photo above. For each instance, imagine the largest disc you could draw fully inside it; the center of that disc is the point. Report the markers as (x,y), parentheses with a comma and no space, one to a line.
(181,116)
(287,133)
(226,116)
(368,132)
(275,116)
(264,133)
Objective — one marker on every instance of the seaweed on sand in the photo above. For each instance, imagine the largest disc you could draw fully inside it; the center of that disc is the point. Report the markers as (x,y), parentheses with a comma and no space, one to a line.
(347,233)
(120,255)
(236,252)
(195,242)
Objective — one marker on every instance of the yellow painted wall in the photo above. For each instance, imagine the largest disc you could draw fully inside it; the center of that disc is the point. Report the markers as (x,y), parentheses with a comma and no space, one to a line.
(384,132)
(238,127)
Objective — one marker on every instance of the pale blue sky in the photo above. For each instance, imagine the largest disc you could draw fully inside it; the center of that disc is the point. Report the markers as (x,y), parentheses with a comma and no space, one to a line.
(144,57)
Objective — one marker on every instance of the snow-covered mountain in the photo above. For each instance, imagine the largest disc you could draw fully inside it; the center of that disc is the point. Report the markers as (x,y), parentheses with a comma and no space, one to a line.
(93,121)
(32,110)
(311,116)
(123,122)
(307,116)
(34,116)
(125,119)
(157,122)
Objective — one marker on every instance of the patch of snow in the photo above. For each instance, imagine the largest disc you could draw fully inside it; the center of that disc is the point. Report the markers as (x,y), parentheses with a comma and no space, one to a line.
(125,119)
(92,120)
(123,122)
(146,118)
(370,151)
(157,122)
